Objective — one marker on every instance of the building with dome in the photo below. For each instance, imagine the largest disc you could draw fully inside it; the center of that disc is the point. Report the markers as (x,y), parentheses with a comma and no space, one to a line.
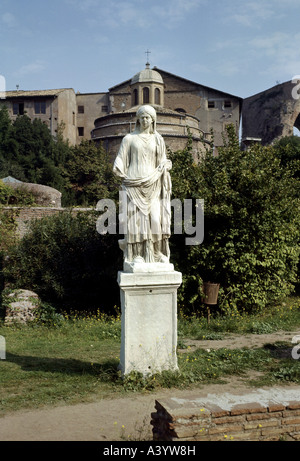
(183,108)
(147,85)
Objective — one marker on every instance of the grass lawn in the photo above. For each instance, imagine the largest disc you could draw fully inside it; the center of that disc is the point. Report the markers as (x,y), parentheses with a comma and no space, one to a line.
(71,362)
(75,359)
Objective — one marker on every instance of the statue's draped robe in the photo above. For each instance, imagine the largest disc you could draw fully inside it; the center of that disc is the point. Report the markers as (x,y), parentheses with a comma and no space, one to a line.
(146,214)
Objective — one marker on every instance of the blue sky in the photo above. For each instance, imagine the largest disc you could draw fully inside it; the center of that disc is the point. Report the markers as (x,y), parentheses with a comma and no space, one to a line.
(240,47)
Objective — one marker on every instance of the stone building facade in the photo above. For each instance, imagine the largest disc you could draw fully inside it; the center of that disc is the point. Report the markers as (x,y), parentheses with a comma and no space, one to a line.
(182,107)
(89,107)
(213,109)
(271,114)
(50,106)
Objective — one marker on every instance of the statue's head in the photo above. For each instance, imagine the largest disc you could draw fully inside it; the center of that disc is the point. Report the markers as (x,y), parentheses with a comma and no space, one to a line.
(148,110)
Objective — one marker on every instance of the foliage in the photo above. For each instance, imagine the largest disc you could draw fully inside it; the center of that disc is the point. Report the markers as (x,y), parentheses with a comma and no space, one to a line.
(88,174)
(288,151)
(8,144)
(8,224)
(28,151)
(251,243)
(8,228)
(47,315)
(284,316)
(64,260)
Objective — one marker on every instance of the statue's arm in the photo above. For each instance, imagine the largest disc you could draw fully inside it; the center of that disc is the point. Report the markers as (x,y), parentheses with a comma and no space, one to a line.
(121,162)
(163,161)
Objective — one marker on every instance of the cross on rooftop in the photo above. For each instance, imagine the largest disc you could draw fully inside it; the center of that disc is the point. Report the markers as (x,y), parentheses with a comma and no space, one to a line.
(147,53)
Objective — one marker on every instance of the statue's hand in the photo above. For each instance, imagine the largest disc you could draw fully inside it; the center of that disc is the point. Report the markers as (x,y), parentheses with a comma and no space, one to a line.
(166,165)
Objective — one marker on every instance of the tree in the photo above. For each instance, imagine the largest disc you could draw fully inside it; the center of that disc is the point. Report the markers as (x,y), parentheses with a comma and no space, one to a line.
(251,226)
(89,176)
(8,144)
(28,152)
(288,151)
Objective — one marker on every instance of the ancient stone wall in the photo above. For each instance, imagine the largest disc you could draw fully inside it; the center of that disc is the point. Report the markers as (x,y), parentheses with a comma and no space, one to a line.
(252,421)
(271,114)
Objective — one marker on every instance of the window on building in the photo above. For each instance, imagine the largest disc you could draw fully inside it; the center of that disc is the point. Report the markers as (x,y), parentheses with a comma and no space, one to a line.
(18,108)
(146,95)
(179,109)
(40,107)
(135,97)
(104,109)
(157,96)
(74,118)
(80,131)
(80,109)
(211,104)
(227,104)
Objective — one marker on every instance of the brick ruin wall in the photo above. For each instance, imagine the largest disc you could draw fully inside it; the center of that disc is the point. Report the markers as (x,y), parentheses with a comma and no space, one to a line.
(243,422)
(272,114)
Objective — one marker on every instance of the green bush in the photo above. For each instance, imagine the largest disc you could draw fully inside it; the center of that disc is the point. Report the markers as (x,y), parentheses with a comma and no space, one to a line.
(288,151)
(88,175)
(64,260)
(251,242)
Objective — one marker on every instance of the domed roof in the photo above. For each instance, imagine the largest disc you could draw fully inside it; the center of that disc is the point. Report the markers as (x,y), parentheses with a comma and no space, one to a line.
(147,75)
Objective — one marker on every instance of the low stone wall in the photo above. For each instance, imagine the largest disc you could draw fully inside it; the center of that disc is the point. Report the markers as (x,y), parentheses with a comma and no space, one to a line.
(23,215)
(238,420)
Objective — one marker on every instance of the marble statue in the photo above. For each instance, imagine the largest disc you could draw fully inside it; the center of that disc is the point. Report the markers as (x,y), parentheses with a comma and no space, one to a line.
(146,190)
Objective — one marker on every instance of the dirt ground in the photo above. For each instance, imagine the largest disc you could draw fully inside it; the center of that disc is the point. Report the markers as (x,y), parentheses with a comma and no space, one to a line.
(235,341)
(125,419)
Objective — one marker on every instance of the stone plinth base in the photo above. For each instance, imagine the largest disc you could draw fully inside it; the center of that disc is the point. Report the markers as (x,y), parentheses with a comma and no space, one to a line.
(149,321)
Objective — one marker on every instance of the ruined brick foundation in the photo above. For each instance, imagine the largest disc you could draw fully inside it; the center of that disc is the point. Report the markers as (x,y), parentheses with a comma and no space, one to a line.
(187,420)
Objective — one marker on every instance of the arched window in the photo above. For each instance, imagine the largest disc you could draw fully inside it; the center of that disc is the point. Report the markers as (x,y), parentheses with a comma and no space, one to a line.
(146,95)
(157,96)
(135,97)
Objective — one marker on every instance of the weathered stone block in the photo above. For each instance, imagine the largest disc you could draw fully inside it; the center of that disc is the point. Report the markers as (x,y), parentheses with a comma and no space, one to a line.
(21,306)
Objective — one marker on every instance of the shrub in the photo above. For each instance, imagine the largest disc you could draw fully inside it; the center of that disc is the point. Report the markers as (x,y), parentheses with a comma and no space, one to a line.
(64,260)
(88,175)
(251,242)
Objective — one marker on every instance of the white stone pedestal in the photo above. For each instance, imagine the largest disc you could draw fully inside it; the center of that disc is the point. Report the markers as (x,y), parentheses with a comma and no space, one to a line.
(149,320)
